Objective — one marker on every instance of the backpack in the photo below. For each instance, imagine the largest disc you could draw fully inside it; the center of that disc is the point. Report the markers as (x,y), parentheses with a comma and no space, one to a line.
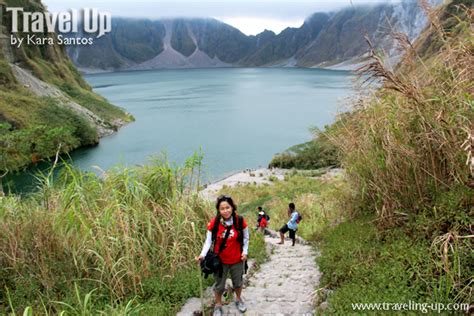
(263,222)
(299,218)
(211,262)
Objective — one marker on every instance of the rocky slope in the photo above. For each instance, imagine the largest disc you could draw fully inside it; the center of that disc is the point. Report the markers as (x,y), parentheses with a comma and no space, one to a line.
(324,39)
(343,38)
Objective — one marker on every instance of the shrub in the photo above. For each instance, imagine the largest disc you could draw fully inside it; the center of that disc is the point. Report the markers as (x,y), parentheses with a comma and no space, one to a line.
(315,154)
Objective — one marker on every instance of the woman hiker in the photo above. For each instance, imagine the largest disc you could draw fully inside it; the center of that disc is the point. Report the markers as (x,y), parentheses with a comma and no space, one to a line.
(234,253)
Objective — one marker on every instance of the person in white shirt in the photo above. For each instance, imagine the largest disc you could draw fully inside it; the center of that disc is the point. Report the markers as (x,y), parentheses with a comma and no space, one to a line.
(291,226)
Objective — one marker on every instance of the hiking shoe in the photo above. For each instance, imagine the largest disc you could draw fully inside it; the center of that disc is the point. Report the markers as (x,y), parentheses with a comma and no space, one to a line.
(241,306)
(218,311)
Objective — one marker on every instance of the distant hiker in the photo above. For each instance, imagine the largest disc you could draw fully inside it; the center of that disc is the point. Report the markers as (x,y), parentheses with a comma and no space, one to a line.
(260,209)
(262,220)
(291,226)
(229,234)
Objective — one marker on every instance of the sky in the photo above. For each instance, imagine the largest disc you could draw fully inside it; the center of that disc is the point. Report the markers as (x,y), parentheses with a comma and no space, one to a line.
(249,16)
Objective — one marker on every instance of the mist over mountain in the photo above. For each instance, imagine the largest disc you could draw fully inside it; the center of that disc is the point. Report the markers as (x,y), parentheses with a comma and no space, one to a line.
(324,40)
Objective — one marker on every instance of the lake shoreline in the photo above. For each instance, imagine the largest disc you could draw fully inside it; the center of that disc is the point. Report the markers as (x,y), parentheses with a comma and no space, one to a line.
(258,176)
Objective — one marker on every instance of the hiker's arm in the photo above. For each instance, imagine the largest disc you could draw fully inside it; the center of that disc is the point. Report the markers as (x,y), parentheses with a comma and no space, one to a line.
(207,244)
(245,249)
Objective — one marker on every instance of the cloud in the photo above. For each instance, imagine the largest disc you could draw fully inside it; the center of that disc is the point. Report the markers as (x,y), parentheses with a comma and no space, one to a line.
(250,16)
(253,26)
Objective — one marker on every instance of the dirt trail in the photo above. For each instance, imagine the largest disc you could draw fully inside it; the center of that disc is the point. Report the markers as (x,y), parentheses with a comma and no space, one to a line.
(284,285)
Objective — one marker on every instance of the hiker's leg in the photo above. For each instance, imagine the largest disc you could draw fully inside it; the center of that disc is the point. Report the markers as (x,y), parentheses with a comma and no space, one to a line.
(219,285)
(283,230)
(237,274)
(293,236)
(238,293)
(218,297)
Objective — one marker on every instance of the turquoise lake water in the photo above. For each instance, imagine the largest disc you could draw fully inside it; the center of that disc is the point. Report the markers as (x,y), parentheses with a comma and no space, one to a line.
(239,117)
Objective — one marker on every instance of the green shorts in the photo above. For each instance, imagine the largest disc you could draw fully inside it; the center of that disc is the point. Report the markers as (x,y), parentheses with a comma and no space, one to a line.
(236,274)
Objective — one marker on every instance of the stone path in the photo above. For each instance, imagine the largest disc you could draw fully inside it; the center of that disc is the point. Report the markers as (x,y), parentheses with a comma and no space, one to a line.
(284,285)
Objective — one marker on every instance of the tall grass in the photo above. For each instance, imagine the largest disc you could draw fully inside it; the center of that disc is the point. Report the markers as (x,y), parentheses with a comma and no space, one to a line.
(88,241)
(407,149)
(403,147)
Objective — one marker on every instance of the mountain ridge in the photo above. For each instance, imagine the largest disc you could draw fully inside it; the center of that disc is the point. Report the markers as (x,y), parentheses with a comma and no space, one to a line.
(323,40)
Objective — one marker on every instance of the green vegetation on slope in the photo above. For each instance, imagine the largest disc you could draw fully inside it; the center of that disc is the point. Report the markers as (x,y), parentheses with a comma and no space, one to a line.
(315,154)
(405,155)
(395,265)
(32,127)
